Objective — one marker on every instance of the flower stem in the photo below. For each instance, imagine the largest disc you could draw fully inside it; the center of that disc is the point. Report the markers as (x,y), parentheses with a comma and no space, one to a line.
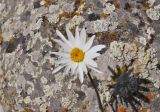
(98,97)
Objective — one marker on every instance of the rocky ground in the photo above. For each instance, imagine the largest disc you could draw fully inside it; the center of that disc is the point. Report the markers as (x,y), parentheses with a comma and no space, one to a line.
(128,28)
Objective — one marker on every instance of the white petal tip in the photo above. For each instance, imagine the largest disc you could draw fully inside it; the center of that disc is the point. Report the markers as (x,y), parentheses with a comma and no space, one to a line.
(95,69)
(81,80)
(83,30)
(93,36)
(57,31)
(52,53)
(67,28)
(103,46)
(100,72)
(57,69)
(81,77)
(77,28)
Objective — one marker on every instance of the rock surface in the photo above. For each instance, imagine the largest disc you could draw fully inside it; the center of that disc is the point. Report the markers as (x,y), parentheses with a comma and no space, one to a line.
(129,28)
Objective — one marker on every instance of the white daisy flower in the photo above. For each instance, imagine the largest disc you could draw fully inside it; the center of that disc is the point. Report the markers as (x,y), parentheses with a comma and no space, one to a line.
(76,55)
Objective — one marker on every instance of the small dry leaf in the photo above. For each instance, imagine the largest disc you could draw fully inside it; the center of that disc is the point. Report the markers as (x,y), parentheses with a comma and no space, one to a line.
(121,109)
(150,96)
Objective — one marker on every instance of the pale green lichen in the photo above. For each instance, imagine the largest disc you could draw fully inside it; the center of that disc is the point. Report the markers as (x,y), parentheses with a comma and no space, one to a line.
(154,13)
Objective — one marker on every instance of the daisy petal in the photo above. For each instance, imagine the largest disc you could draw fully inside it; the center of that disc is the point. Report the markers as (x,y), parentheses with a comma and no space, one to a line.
(67,69)
(78,42)
(90,62)
(62,61)
(89,44)
(57,69)
(63,38)
(84,67)
(96,49)
(74,67)
(93,55)
(83,36)
(61,54)
(69,35)
(63,45)
(81,75)
(77,33)
(94,69)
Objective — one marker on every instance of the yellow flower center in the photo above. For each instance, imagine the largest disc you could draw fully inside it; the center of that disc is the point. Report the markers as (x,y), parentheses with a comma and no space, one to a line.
(77,55)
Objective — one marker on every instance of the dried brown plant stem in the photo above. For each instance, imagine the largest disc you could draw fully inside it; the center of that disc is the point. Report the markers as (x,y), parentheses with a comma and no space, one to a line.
(98,97)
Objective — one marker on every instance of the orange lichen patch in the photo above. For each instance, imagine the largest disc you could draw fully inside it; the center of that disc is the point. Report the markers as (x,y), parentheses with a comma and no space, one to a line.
(26,109)
(121,109)
(47,2)
(150,96)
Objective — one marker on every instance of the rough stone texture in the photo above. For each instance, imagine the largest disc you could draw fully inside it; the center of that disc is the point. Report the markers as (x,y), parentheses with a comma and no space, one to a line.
(27,30)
